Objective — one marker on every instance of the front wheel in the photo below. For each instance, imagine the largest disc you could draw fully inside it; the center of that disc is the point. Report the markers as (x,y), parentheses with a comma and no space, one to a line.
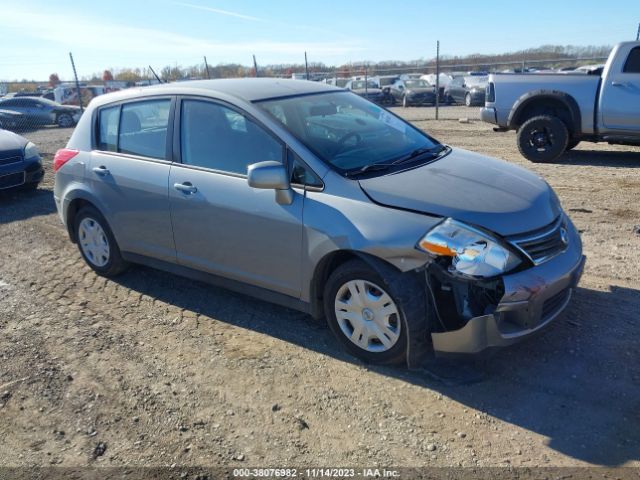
(97,244)
(65,121)
(368,317)
(467,99)
(543,138)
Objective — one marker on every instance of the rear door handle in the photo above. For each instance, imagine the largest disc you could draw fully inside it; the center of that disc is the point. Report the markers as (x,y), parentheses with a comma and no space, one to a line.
(185,187)
(101,170)
(618,84)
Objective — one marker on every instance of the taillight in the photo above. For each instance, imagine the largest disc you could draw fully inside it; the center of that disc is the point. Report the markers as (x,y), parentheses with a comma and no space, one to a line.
(491,92)
(63,156)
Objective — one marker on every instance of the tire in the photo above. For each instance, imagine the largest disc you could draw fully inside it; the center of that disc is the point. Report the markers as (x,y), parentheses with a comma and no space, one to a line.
(543,138)
(107,264)
(398,315)
(467,100)
(573,143)
(65,121)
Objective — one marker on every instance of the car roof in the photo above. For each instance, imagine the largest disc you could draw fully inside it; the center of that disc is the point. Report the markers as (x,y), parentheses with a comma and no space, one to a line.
(248,89)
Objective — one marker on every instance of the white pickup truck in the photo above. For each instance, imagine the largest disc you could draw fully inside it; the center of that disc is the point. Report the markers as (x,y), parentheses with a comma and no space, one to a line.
(552,113)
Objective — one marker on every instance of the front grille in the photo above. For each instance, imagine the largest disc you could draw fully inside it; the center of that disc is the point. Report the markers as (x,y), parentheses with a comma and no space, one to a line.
(11,180)
(543,244)
(553,304)
(10,160)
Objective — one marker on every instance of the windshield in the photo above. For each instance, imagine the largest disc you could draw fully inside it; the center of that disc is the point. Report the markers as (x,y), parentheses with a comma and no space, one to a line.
(360,85)
(476,81)
(416,84)
(347,131)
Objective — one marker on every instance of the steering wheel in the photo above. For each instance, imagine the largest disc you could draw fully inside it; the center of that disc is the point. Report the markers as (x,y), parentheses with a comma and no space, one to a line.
(343,140)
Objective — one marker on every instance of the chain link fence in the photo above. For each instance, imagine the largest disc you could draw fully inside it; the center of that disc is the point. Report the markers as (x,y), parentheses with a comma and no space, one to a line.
(28,105)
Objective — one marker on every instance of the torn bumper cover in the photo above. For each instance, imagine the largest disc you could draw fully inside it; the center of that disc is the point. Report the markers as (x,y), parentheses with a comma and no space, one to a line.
(532,299)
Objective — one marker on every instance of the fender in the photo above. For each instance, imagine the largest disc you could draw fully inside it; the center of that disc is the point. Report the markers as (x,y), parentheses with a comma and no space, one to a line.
(534,96)
(79,191)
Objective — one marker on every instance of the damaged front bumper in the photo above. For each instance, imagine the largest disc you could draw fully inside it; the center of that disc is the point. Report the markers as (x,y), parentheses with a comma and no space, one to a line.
(532,299)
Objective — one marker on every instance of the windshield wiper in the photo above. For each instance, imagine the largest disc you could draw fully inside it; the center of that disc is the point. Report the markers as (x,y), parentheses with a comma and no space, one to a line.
(404,159)
(419,152)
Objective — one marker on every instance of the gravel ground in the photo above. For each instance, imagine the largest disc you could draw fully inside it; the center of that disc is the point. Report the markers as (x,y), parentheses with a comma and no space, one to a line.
(155,370)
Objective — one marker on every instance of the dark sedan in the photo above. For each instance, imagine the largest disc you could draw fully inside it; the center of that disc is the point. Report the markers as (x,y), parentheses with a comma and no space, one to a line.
(413,92)
(10,120)
(20,162)
(469,90)
(39,112)
(367,89)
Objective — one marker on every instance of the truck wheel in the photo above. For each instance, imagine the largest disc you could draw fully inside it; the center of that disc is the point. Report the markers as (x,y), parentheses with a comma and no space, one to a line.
(372,314)
(467,99)
(543,138)
(573,143)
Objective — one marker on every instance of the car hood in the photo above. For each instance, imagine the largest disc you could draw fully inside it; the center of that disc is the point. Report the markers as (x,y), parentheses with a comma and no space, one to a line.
(11,141)
(475,189)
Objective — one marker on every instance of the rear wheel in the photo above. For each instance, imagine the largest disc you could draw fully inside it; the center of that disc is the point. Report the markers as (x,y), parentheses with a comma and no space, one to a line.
(542,138)
(97,244)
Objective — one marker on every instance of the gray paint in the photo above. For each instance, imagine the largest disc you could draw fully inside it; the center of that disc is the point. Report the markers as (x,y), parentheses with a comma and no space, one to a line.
(229,230)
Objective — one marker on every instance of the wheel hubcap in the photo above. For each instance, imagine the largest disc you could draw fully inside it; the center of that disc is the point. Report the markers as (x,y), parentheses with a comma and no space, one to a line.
(541,139)
(93,242)
(367,316)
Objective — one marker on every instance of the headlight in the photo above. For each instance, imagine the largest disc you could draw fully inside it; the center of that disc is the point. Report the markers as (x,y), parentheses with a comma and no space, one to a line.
(472,252)
(31,151)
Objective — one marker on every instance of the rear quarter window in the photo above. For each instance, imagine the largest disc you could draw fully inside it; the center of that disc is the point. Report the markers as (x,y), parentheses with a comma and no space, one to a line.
(108,119)
(632,65)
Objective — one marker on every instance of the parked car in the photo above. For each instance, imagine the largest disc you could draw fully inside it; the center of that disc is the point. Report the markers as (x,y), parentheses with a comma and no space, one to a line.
(337,81)
(413,92)
(469,90)
(403,243)
(552,113)
(368,89)
(385,82)
(38,112)
(20,162)
(10,120)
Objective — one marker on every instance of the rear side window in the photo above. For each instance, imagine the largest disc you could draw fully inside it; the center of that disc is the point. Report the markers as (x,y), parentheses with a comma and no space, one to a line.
(216,137)
(108,129)
(632,65)
(143,128)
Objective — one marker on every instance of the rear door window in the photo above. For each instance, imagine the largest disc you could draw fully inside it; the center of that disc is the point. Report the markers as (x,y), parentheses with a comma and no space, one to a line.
(143,128)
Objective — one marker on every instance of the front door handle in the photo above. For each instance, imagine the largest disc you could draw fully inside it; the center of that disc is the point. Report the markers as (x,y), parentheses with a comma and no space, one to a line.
(185,187)
(618,84)
(101,170)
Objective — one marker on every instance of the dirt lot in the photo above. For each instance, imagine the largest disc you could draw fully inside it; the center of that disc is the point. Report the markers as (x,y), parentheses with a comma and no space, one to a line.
(153,369)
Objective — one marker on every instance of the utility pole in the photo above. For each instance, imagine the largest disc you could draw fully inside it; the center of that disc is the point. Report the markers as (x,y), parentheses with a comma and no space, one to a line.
(255,65)
(75,74)
(206,66)
(437,78)
(306,66)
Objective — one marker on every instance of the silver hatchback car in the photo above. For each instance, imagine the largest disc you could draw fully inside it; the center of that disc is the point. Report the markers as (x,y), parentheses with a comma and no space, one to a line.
(312,197)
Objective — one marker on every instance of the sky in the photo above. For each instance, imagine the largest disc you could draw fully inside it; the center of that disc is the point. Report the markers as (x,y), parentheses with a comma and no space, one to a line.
(37,35)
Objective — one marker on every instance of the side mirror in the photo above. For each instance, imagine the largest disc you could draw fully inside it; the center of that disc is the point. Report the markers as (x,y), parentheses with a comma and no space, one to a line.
(271,175)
